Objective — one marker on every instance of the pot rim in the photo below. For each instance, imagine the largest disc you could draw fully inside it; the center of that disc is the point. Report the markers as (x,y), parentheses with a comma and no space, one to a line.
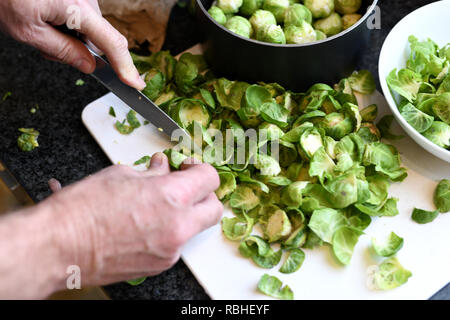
(309,44)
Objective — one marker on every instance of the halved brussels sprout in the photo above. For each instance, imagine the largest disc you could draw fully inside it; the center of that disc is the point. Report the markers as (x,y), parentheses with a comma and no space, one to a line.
(267,165)
(349,20)
(240,26)
(303,33)
(262,18)
(439,134)
(227,185)
(249,7)
(217,14)
(277,7)
(337,125)
(347,6)
(278,226)
(295,14)
(310,142)
(272,34)
(186,111)
(390,275)
(229,93)
(320,8)
(229,6)
(236,229)
(188,72)
(330,25)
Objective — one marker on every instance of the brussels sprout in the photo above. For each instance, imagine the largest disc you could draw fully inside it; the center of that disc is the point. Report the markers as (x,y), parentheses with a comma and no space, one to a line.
(186,111)
(27,141)
(291,196)
(218,15)
(330,25)
(406,83)
(349,20)
(295,14)
(423,216)
(240,26)
(441,107)
(362,81)
(229,93)
(439,134)
(272,34)
(277,7)
(337,125)
(442,196)
(386,160)
(249,7)
(310,142)
(166,97)
(347,6)
(322,166)
(175,158)
(416,118)
(156,82)
(320,35)
(390,275)
(325,222)
(267,165)
(320,8)
(271,286)
(293,262)
(344,241)
(389,247)
(227,185)
(188,72)
(262,18)
(370,113)
(165,63)
(229,6)
(244,198)
(236,229)
(278,226)
(300,34)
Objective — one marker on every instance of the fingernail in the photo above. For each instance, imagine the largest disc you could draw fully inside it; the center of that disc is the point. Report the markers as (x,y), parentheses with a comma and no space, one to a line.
(156,161)
(83,65)
(141,83)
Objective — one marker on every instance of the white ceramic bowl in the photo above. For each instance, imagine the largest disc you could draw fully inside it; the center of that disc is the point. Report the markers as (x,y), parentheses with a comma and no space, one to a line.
(431,21)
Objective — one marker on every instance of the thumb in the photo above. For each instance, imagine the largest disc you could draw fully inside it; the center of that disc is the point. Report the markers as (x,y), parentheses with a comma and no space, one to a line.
(159,165)
(64,48)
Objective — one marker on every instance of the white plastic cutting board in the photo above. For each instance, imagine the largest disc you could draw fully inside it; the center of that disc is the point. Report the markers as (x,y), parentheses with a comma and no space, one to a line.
(224,274)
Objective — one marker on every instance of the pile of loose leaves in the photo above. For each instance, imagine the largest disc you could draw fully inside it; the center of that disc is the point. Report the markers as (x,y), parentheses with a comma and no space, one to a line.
(331,178)
(424,90)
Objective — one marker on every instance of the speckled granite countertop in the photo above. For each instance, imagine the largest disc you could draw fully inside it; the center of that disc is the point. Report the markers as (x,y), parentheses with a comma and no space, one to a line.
(68,152)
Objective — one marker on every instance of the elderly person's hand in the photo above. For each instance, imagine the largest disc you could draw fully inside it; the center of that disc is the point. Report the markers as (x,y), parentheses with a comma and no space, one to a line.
(32,21)
(119,224)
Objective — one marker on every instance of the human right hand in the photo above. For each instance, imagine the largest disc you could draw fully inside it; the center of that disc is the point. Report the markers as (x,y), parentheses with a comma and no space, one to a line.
(32,21)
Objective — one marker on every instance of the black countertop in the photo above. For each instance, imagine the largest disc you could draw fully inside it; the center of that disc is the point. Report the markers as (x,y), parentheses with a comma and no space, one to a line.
(68,153)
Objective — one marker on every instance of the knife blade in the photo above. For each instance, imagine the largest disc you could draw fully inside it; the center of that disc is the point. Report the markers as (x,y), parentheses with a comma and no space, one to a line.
(135,99)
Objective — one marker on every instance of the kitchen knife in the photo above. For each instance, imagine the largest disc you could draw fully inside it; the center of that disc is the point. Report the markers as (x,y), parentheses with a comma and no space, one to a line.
(136,100)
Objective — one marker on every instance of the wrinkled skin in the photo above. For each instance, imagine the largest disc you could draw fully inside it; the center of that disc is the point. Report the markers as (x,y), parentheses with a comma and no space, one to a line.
(32,21)
(119,224)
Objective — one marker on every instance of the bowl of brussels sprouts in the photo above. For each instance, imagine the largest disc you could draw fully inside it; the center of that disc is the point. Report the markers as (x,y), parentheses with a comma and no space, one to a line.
(290,42)
(414,70)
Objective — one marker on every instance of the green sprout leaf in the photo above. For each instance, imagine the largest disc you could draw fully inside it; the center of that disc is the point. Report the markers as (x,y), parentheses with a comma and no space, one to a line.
(344,241)
(423,216)
(442,196)
(271,286)
(293,262)
(388,247)
(390,275)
